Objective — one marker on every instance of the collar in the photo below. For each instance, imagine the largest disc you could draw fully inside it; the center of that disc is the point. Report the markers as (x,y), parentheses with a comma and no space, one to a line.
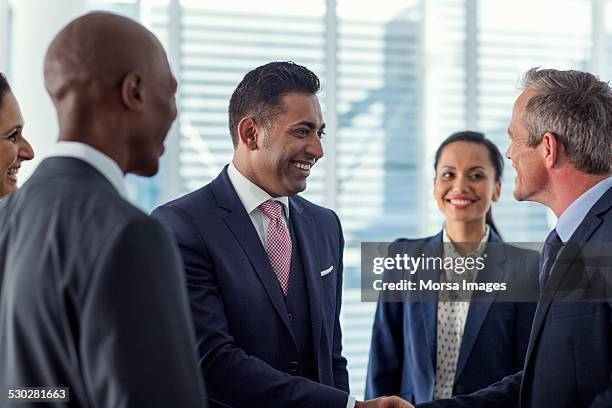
(98,160)
(250,194)
(479,250)
(573,215)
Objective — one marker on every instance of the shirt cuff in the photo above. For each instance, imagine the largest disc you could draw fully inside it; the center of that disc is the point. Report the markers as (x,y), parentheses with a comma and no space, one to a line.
(350,403)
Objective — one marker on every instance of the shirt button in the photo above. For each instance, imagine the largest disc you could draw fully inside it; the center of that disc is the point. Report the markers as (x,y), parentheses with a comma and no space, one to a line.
(294,366)
(458,389)
(290,316)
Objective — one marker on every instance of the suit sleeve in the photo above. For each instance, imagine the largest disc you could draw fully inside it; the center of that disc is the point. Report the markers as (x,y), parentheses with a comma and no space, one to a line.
(338,361)
(526,310)
(385,364)
(523,320)
(137,342)
(386,351)
(604,399)
(502,394)
(232,377)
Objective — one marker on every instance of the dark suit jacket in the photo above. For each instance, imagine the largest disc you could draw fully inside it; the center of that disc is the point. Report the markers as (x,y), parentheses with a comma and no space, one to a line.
(238,310)
(92,296)
(569,358)
(403,352)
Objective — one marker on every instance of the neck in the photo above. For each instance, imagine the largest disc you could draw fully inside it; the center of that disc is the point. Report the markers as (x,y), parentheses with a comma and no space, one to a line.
(246,169)
(567,188)
(104,133)
(242,167)
(466,235)
(117,152)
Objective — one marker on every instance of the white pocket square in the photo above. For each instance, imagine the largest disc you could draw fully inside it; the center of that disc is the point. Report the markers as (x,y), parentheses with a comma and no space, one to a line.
(327,271)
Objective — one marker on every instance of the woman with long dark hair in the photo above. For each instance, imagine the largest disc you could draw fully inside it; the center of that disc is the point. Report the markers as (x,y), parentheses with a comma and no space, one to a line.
(447,345)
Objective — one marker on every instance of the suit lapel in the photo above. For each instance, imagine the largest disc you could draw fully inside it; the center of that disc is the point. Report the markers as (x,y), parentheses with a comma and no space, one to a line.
(559,269)
(306,236)
(557,273)
(241,226)
(478,310)
(429,303)
(429,314)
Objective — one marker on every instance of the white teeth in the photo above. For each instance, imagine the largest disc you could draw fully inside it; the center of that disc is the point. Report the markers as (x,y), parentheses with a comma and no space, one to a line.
(13,171)
(460,202)
(302,166)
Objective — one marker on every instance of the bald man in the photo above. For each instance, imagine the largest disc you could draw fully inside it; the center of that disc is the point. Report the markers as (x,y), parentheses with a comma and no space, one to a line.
(91,293)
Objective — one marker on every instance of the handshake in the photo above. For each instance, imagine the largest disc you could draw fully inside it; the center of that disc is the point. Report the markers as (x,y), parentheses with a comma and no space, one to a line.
(384,402)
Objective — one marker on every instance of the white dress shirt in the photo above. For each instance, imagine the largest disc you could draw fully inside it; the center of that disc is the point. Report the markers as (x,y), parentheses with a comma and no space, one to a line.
(98,160)
(573,215)
(252,196)
(452,316)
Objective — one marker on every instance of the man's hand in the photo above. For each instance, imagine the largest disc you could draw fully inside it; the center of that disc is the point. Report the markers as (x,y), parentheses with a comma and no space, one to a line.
(384,402)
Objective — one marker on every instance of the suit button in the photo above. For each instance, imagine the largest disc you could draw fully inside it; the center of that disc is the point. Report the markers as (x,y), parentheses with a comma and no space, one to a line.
(290,316)
(294,366)
(458,389)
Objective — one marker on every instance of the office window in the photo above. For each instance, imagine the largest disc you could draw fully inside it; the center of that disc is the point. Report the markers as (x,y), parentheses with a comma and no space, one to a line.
(512,37)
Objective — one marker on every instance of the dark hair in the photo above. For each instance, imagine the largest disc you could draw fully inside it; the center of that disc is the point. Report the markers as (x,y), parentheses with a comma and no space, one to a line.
(258,94)
(495,157)
(4,87)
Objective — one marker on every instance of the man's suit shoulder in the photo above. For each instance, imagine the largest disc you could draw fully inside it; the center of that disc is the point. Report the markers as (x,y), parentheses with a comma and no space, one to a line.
(326,219)
(604,232)
(203,201)
(89,209)
(197,201)
(102,204)
(602,210)
(315,209)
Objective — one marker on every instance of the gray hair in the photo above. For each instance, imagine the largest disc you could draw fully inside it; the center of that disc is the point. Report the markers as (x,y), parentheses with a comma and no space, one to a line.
(577,108)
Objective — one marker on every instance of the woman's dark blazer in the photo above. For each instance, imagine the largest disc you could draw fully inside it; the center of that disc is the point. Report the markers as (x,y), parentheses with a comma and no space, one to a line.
(403,351)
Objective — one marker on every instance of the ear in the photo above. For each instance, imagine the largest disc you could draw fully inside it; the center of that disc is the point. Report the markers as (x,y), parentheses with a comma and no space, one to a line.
(131,90)
(497,191)
(550,145)
(247,133)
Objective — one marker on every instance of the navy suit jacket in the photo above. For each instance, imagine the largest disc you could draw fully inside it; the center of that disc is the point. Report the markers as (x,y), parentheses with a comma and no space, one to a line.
(239,312)
(569,358)
(403,352)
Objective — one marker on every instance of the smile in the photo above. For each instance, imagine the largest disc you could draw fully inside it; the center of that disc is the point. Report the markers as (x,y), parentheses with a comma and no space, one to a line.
(302,165)
(460,202)
(12,173)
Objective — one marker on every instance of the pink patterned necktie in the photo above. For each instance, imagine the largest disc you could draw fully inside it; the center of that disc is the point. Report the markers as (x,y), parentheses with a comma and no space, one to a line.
(278,243)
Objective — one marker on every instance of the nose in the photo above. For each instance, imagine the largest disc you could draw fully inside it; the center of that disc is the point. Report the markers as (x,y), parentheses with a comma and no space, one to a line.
(507,153)
(460,183)
(25,150)
(174,109)
(315,147)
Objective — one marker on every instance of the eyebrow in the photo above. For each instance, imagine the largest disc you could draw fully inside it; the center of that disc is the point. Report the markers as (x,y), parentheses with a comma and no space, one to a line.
(309,124)
(471,168)
(11,130)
